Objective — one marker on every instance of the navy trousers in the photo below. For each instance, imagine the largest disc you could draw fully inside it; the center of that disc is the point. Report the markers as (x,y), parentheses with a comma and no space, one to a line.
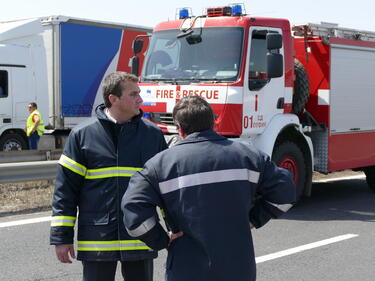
(33,140)
(141,270)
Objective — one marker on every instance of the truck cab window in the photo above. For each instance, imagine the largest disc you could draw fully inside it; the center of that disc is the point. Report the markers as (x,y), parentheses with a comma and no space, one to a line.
(172,58)
(257,66)
(163,57)
(3,84)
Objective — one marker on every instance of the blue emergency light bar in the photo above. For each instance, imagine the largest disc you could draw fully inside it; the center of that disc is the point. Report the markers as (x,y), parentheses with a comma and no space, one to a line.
(184,13)
(236,10)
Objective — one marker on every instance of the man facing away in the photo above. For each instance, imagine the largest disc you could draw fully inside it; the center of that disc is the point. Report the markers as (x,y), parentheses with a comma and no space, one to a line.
(211,190)
(98,160)
(34,126)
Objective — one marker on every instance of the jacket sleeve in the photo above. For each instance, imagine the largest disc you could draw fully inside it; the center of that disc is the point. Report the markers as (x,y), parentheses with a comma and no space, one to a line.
(275,194)
(139,207)
(70,176)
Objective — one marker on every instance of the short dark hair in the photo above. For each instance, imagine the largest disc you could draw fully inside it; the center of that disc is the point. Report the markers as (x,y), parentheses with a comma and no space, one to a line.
(193,114)
(33,104)
(112,84)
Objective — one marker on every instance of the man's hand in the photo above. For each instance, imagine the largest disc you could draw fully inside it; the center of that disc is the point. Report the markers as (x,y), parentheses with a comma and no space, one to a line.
(174,236)
(63,251)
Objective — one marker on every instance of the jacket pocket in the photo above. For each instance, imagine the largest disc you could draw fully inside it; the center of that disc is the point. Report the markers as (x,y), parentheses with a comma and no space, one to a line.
(93,219)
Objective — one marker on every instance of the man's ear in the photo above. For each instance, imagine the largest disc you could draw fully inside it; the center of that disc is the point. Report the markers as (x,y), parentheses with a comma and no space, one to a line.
(181,132)
(112,98)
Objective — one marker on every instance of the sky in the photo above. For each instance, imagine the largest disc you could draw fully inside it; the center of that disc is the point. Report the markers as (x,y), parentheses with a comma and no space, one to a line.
(359,14)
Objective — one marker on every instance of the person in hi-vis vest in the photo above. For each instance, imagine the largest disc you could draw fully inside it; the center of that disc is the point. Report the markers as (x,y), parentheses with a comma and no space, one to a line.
(34,126)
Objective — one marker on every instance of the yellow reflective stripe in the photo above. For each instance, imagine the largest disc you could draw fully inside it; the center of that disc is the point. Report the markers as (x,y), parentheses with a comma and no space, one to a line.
(116,168)
(64,217)
(107,172)
(72,165)
(113,249)
(120,245)
(162,212)
(73,162)
(62,224)
(63,221)
(111,172)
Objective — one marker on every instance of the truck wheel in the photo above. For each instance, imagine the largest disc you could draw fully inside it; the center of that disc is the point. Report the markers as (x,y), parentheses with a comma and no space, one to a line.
(10,142)
(370,177)
(288,155)
(301,88)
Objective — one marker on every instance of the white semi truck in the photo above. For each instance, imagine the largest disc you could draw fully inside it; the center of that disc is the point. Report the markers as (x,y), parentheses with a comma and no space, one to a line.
(57,62)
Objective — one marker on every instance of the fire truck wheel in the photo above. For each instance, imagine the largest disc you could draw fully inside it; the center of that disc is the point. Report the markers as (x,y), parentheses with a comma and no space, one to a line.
(289,156)
(370,177)
(301,88)
(12,141)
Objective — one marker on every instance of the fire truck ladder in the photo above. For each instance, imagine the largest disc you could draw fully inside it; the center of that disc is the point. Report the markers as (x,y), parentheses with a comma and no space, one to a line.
(326,29)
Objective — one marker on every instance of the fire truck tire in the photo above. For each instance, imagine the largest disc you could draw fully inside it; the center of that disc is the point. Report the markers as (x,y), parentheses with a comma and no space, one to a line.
(301,88)
(289,156)
(370,177)
(12,141)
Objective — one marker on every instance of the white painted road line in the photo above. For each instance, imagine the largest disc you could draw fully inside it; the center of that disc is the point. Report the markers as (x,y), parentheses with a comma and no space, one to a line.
(341,178)
(21,222)
(257,259)
(304,248)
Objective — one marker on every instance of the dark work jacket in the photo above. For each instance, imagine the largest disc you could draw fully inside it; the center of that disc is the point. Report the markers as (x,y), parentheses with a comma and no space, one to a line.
(93,173)
(210,188)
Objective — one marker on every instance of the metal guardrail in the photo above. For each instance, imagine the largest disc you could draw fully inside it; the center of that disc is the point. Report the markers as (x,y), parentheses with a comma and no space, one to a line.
(28,165)
(29,155)
(27,171)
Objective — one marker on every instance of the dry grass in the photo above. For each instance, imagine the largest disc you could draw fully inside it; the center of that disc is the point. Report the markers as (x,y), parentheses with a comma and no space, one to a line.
(25,197)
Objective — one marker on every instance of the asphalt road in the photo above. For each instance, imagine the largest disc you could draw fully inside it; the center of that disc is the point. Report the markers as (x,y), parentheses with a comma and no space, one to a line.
(335,210)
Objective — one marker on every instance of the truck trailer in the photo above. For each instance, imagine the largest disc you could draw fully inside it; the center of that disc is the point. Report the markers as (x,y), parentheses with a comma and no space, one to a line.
(303,94)
(57,62)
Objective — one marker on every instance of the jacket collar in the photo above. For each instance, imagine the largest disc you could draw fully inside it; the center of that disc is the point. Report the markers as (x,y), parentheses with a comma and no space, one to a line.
(102,116)
(208,135)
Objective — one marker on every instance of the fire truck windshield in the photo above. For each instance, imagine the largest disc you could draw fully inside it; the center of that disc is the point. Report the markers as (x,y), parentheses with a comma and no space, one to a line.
(216,58)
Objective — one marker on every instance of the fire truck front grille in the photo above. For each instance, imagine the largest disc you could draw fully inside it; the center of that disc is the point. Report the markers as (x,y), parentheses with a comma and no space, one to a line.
(162,118)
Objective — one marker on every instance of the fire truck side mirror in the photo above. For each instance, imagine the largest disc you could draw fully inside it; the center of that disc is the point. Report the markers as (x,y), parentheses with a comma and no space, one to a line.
(135,65)
(194,39)
(274,65)
(137,46)
(274,41)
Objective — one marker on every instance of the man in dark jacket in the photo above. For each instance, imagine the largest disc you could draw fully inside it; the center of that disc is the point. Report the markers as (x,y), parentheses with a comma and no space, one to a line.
(93,173)
(212,191)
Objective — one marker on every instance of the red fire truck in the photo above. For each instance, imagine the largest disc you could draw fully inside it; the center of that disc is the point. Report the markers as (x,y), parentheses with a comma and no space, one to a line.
(305,94)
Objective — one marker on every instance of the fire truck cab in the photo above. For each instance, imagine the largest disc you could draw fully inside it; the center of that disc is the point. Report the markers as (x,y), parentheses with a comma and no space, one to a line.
(284,92)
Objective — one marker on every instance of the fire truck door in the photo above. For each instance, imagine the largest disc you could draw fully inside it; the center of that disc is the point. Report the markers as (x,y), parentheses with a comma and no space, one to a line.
(262,95)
